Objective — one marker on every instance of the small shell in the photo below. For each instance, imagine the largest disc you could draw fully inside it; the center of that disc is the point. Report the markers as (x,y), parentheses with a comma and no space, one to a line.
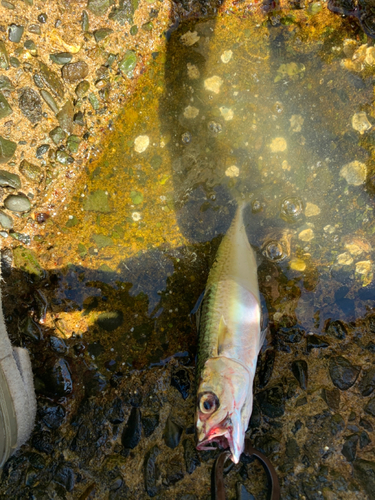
(360,122)
(213,84)
(141,143)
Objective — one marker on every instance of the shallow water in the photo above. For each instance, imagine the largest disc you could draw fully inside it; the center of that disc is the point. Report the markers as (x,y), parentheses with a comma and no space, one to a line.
(234,108)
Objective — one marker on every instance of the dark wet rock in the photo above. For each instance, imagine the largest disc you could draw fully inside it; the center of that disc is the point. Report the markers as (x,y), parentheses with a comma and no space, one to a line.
(349,450)
(133,430)
(5,220)
(102,33)
(265,372)
(42,150)
(34,28)
(82,88)
(4,58)
(256,416)
(57,135)
(315,342)
(49,100)
(31,47)
(95,383)
(74,72)
(367,383)
(297,426)
(65,117)
(302,401)
(364,440)
(151,472)
(17,203)
(268,444)
(128,63)
(85,22)
(5,83)
(30,171)
(38,81)
(337,329)
(30,104)
(292,449)
(271,401)
(343,374)
(364,474)
(42,441)
(29,328)
(180,380)
(191,456)
(172,433)
(124,13)
(242,493)
(370,407)
(9,180)
(337,424)
(97,202)
(61,58)
(110,320)
(188,496)
(5,109)
(22,238)
(65,476)
(149,424)
(73,143)
(57,377)
(299,370)
(79,119)
(14,62)
(94,101)
(51,414)
(332,398)
(63,158)
(7,150)
(51,80)
(115,413)
(58,345)
(15,33)
(42,18)
(366,424)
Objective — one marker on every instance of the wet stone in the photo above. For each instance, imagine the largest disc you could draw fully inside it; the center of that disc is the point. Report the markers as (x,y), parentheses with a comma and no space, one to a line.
(271,401)
(5,83)
(63,158)
(34,28)
(73,143)
(370,407)
(82,88)
(57,135)
(99,7)
(115,414)
(42,18)
(49,100)
(4,59)
(8,5)
(79,119)
(57,377)
(38,81)
(51,80)
(65,117)
(267,443)
(17,203)
(242,493)
(128,63)
(58,345)
(26,260)
(94,101)
(30,104)
(42,441)
(133,430)
(30,171)
(172,433)
(9,180)
(343,374)
(315,342)
(102,33)
(337,329)
(366,425)
(5,220)
(74,72)
(191,456)
(265,372)
(14,62)
(349,450)
(149,424)
(5,109)
(97,202)
(85,22)
(337,424)
(151,471)
(52,414)
(110,320)
(180,380)
(299,370)
(332,398)
(364,440)
(364,474)
(15,33)
(31,47)
(65,476)
(367,383)
(61,58)
(42,150)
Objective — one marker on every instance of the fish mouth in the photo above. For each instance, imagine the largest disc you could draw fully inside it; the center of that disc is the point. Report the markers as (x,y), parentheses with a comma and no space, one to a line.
(223,440)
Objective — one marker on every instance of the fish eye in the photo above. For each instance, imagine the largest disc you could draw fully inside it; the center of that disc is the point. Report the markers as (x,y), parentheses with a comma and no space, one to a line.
(208,402)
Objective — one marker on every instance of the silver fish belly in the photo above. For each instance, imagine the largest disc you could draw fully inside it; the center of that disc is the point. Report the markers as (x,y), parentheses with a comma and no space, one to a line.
(229,342)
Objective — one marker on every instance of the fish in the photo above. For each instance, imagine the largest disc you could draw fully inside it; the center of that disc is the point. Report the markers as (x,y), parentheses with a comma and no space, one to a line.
(230,338)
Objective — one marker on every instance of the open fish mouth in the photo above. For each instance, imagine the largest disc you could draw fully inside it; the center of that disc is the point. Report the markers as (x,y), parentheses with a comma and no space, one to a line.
(222,441)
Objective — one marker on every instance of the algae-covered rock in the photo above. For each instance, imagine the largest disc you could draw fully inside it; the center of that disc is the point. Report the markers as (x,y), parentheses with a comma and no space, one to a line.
(25,259)
(97,202)
(128,63)
(30,171)
(5,109)
(51,80)
(7,149)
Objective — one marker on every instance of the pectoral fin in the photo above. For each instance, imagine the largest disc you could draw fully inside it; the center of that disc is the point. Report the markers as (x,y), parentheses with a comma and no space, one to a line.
(222,337)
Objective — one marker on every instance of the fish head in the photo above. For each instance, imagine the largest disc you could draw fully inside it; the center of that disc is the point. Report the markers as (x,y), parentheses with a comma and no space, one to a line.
(224,405)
